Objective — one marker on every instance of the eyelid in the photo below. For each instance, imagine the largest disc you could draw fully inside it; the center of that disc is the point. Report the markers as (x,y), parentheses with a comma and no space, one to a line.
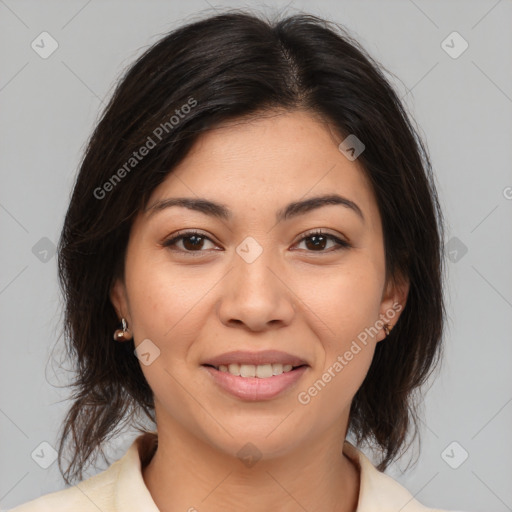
(185,233)
(339,240)
(323,232)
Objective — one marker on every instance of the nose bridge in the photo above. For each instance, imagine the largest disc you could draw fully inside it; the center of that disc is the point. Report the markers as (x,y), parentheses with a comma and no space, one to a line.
(255,294)
(254,262)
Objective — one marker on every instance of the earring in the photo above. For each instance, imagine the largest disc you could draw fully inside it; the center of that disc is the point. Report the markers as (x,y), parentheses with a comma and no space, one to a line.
(387,328)
(123,334)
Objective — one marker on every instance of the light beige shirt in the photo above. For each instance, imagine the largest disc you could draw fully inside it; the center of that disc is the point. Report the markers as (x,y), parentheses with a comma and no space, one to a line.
(121,488)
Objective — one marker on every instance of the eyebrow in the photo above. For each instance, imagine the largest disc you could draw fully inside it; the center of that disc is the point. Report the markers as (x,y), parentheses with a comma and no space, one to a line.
(221,211)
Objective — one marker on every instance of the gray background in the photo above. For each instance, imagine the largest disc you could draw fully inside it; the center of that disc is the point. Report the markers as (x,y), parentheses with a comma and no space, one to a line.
(463,106)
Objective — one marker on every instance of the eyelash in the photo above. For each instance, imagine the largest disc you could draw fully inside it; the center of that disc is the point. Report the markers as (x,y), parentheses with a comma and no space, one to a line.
(342,244)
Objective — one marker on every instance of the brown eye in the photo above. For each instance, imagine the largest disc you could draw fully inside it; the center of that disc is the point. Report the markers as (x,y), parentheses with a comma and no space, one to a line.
(318,240)
(192,241)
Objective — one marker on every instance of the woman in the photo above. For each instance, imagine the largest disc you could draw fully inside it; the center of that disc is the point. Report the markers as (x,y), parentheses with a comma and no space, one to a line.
(255,224)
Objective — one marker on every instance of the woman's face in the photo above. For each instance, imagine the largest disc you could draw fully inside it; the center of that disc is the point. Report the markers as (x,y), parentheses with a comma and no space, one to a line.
(255,278)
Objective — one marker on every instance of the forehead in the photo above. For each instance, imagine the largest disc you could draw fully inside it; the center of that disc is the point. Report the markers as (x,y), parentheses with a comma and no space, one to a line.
(264,162)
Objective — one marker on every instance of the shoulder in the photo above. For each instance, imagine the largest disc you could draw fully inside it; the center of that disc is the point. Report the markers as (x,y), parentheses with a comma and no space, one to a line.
(95,493)
(379,491)
(120,487)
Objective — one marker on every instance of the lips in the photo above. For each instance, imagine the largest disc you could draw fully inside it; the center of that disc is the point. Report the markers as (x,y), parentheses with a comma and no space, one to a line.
(262,375)
(254,388)
(255,358)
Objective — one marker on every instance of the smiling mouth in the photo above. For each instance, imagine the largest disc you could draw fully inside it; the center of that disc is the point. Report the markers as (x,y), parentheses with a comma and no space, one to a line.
(261,371)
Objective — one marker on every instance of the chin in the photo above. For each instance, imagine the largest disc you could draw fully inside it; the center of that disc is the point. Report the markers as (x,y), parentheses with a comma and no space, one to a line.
(267,438)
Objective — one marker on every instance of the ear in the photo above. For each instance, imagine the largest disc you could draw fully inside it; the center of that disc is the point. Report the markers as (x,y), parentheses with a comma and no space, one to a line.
(119,299)
(393,303)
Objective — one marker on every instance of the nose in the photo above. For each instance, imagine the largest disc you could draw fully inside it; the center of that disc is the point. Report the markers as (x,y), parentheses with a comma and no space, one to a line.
(256,295)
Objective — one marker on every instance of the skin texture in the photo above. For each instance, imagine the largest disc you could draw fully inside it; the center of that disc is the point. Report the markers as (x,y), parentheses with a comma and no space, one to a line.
(307,301)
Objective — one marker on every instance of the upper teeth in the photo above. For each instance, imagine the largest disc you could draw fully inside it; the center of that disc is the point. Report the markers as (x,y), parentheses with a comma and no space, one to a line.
(261,371)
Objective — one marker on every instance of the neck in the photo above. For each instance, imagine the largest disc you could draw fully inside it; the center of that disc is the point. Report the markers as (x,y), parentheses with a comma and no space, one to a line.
(315,478)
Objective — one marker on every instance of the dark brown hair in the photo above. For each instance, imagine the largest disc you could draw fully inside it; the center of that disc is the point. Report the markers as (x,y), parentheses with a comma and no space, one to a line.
(227,66)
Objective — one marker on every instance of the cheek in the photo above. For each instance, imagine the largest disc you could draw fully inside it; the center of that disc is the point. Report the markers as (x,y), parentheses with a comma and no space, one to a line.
(163,302)
(345,306)
(330,392)
(349,308)
(165,308)
(346,301)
